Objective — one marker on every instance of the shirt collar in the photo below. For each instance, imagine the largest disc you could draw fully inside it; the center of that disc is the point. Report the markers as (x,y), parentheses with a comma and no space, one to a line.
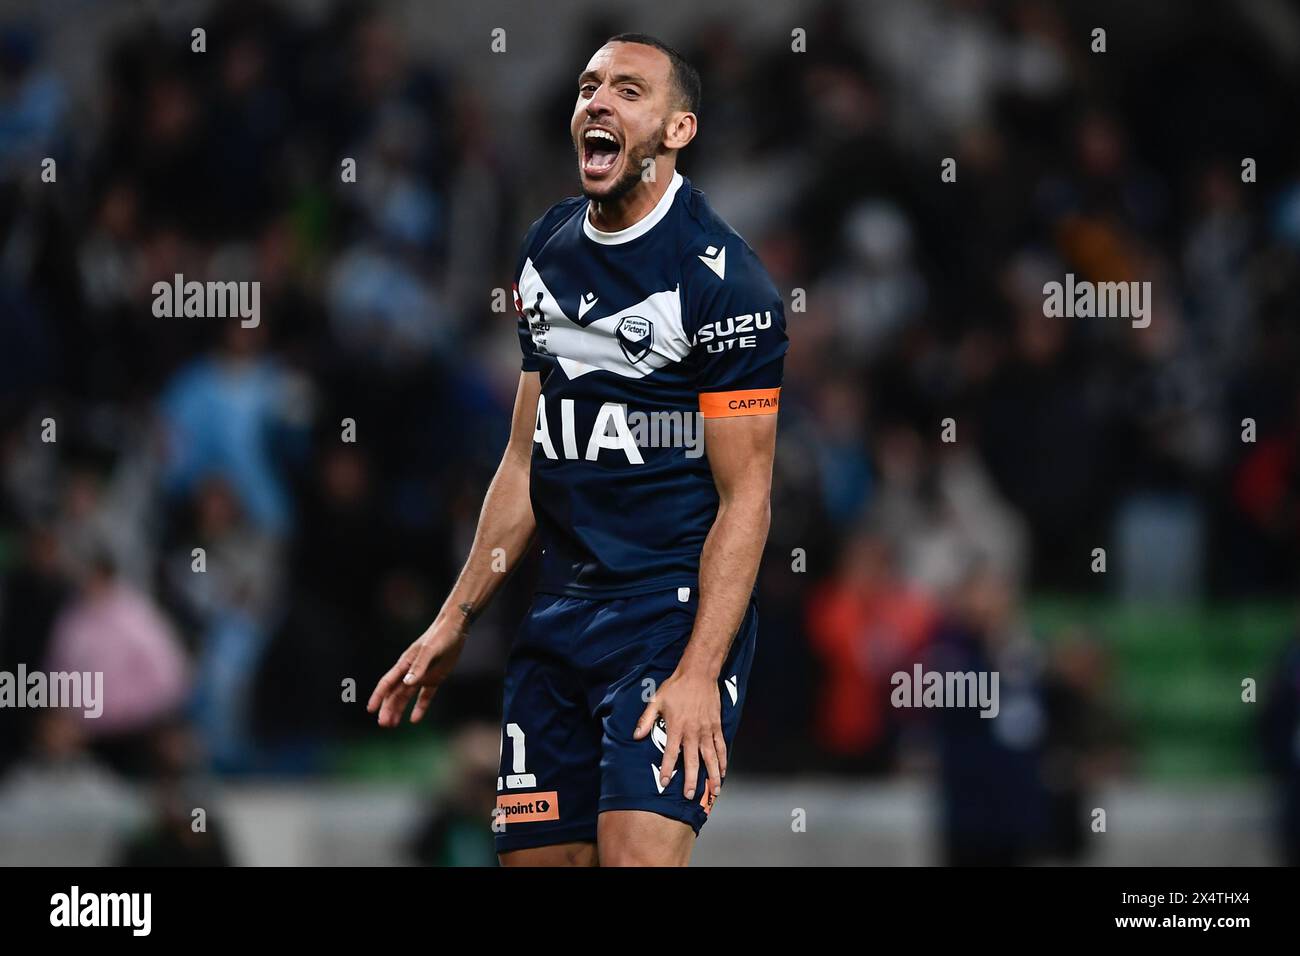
(638,228)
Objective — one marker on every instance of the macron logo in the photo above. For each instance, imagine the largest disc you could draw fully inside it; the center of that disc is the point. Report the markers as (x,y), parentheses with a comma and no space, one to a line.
(716,259)
(585,304)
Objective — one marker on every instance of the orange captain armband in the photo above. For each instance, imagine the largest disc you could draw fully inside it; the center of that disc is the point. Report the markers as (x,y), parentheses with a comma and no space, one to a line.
(750,401)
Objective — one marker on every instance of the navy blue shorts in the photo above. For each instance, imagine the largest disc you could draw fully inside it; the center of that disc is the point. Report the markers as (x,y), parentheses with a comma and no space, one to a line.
(579,677)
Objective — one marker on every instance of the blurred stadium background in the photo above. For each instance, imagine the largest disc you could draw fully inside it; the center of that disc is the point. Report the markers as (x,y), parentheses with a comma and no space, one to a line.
(1120,690)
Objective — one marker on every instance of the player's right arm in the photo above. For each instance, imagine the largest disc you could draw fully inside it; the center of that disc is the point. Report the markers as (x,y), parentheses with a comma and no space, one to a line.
(505,522)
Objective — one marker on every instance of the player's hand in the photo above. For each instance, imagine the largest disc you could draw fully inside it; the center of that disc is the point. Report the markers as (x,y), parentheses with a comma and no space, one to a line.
(691,706)
(422,667)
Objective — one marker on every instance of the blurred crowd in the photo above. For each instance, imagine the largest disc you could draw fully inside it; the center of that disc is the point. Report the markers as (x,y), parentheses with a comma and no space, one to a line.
(919,300)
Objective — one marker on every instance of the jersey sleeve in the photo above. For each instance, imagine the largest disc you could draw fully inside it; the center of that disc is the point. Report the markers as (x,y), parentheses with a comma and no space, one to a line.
(530,361)
(534,241)
(737,321)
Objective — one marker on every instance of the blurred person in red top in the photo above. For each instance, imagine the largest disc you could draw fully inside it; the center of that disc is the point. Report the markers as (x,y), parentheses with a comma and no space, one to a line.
(864,623)
(1265,497)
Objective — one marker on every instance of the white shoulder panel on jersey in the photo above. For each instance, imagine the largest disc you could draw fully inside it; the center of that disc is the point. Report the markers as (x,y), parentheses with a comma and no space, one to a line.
(632,342)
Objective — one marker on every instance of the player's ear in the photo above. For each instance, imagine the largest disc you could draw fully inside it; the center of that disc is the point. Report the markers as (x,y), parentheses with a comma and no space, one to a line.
(680,130)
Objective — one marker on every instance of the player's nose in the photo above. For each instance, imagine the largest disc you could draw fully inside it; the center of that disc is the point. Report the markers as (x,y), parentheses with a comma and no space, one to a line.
(599,104)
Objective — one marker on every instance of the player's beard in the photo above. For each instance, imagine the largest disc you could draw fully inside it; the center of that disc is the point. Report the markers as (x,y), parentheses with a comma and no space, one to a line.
(632,168)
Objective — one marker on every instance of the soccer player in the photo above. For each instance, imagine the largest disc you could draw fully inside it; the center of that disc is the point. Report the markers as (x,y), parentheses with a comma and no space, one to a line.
(644,319)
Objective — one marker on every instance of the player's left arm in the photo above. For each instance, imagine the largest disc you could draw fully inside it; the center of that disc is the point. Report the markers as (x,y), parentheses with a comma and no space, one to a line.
(742,344)
(740,454)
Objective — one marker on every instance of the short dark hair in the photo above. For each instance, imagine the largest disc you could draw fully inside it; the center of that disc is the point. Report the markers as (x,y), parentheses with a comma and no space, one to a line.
(684,76)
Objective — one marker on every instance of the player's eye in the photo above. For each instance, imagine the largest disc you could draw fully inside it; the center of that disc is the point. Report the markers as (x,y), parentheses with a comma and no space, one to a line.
(630,92)
(586,89)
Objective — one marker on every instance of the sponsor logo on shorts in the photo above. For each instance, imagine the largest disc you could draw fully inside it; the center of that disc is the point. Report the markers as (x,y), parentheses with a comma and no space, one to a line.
(528,807)
(706,800)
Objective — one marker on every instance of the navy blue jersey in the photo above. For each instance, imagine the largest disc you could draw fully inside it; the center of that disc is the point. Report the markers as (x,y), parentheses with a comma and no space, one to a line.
(638,335)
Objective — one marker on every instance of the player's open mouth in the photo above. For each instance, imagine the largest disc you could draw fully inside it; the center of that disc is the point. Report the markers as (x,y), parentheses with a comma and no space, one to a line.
(600,149)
